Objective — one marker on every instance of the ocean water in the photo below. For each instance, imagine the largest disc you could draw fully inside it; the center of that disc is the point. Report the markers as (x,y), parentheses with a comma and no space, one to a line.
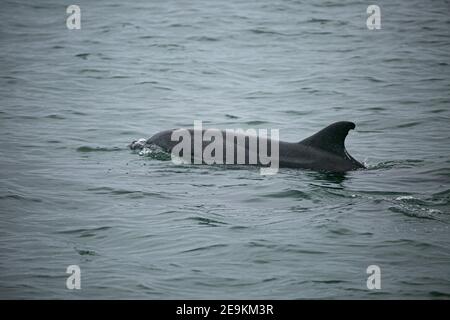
(72,193)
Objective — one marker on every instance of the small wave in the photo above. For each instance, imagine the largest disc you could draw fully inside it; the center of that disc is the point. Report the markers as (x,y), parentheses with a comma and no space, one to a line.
(407,242)
(19,197)
(375,109)
(84,252)
(329,4)
(298,113)
(296,194)
(55,116)
(438,110)
(343,232)
(147,82)
(91,71)
(84,232)
(207,221)
(329,281)
(373,79)
(265,31)
(438,294)
(239,228)
(283,248)
(212,246)
(404,198)
(301,251)
(97,149)
(179,25)
(382,193)
(256,95)
(255,122)
(414,211)
(83,56)
(78,113)
(442,197)
(168,46)
(163,88)
(410,200)
(203,38)
(134,194)
(317,20)
(409,124)
(317,33)
(388,60)
(155,152)
(408,163)
(147,37)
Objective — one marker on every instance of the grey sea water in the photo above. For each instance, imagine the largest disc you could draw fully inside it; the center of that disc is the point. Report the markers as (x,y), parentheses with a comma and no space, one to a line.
(71,193)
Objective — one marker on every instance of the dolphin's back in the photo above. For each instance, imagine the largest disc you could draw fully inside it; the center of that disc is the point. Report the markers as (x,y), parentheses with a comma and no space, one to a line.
(323,151)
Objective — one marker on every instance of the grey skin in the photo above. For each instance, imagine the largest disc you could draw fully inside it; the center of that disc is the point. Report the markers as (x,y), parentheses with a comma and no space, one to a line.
(323,151)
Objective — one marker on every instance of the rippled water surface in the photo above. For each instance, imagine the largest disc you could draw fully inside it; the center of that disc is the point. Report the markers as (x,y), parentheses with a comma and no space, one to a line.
(141,227)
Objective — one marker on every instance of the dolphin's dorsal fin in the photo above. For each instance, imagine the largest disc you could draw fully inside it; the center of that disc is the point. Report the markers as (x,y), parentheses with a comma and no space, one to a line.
(331,138)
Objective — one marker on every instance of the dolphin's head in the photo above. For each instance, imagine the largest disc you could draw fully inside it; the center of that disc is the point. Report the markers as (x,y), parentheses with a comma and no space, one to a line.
(137,144)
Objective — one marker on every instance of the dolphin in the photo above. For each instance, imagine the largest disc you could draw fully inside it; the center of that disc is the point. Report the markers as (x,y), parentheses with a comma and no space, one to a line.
(323,151)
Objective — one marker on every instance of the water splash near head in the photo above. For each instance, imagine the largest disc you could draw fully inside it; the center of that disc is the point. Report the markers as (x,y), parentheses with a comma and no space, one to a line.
(137,144)
(149,150)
